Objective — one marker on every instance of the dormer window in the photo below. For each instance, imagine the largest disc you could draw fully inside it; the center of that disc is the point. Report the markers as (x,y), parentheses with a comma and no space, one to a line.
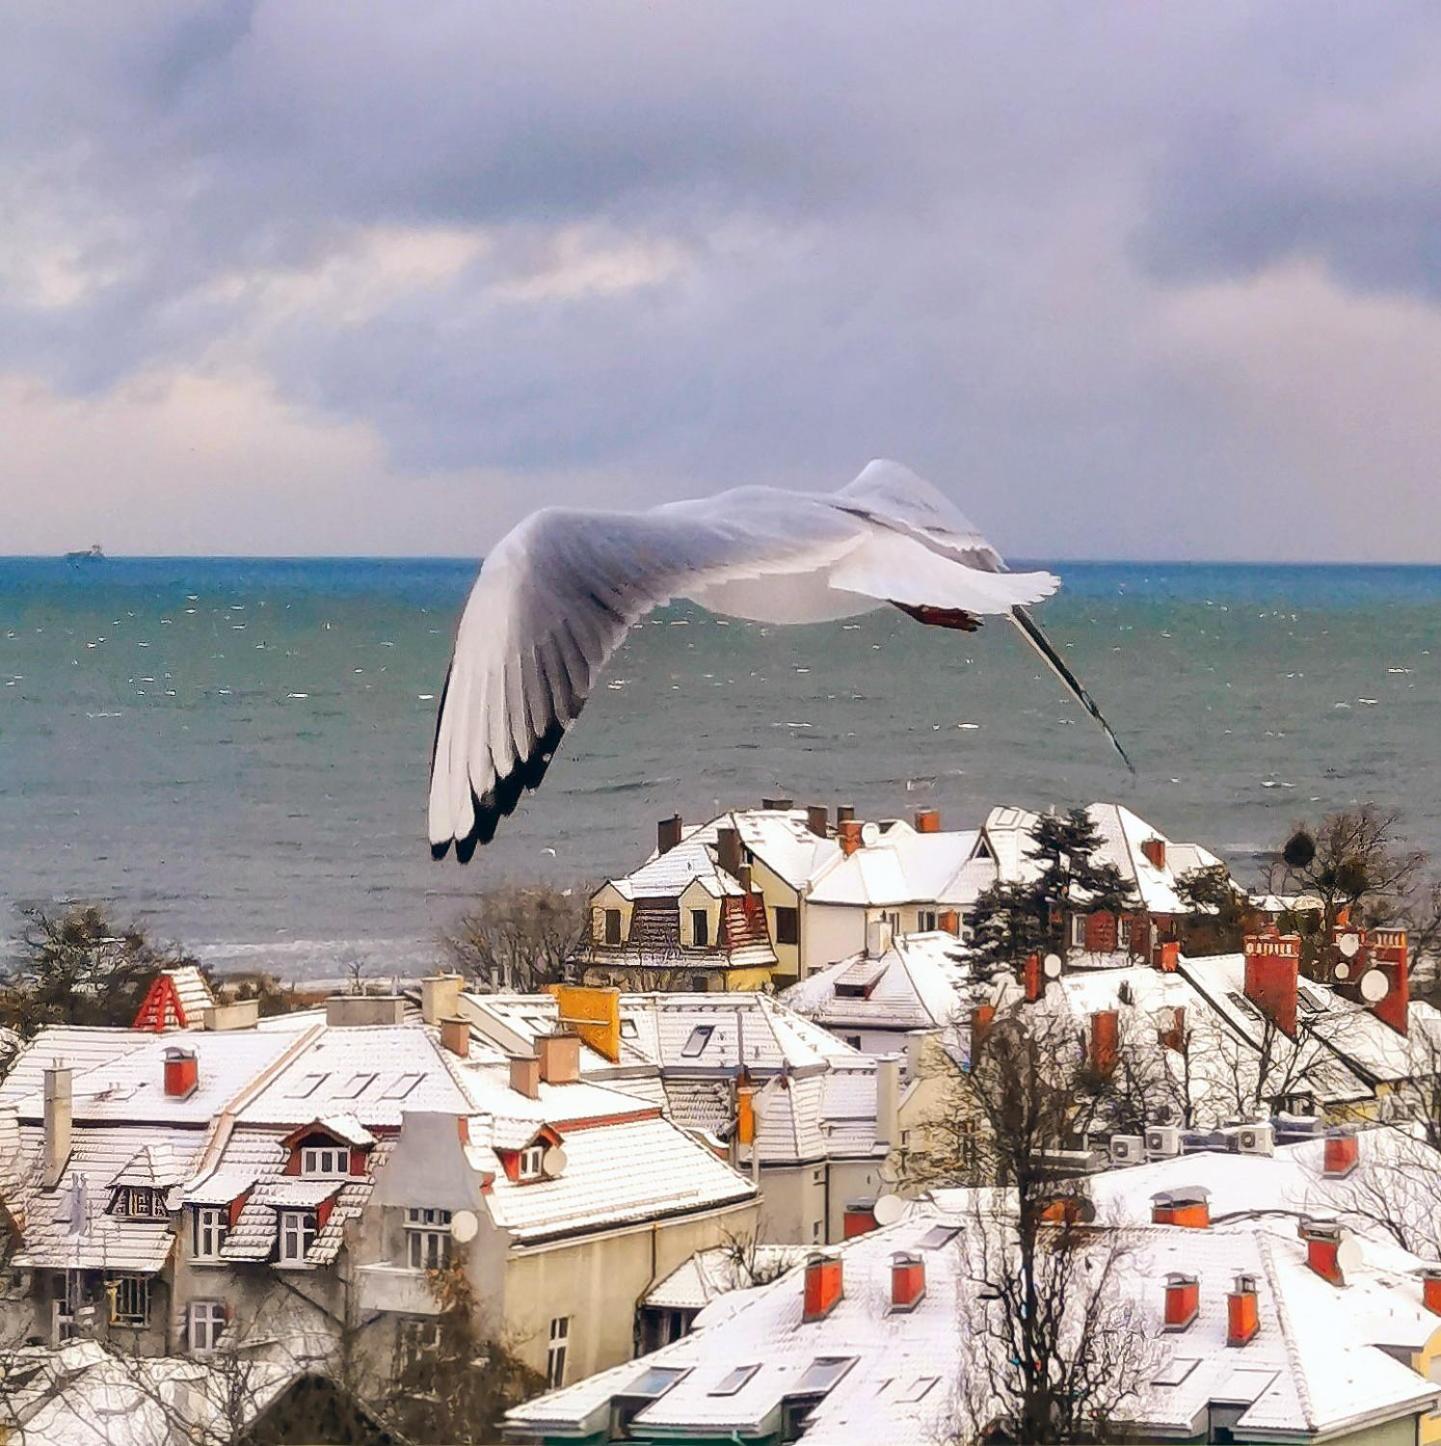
(139,1202)
(532,1161)
(324,1161)
(297,1235)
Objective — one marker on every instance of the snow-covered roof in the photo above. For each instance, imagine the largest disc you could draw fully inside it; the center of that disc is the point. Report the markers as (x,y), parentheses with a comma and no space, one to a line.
(711,1273)
(900,867)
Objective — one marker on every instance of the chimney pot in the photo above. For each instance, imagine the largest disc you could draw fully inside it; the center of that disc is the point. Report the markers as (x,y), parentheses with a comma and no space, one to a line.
(818,820)
(667,833)
(928,820)
(1168,956)
(1323,1250)
(1033,979)
(848,831)
(1389,954)
(525,1075)
(1272,974)
(439,997)
(1242,1315)
(1183,1300)
(777,805)
(182,1073)
(824,1286)
(559,1058)
(845,813)
(908,1280)
(859,1218)
(1189,1208)
(1105,1040)
(455,1036)
(981,1017)
(1154,850)
(1343,1154)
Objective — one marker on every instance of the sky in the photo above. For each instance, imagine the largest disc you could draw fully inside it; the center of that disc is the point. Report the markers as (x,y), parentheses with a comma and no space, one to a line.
(1126,280)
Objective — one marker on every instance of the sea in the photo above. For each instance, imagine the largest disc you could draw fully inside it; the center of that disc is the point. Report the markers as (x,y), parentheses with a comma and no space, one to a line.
(233,752)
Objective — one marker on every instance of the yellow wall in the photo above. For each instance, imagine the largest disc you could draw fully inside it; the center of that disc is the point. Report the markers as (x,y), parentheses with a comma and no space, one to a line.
(779,894)
(608,897)
(1427,1362)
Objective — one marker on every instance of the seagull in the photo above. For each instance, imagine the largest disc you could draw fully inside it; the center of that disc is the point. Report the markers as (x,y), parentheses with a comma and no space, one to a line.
(557,594)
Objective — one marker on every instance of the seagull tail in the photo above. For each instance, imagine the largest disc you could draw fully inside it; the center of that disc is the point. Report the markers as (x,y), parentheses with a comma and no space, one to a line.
(1031,631)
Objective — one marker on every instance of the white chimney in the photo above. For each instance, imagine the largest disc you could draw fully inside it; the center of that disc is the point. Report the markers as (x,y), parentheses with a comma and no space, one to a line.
(888,1099)
(440,997)
(58,1117)
(878,937)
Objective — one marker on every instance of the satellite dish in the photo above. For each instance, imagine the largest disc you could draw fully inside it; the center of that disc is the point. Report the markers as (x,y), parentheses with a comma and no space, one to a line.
(870,834)
(1374,986)
(1343,969)
(464,1227)
(1348,1255)
(552,1163)
(1052,966)
(1349,945)
(889,1209)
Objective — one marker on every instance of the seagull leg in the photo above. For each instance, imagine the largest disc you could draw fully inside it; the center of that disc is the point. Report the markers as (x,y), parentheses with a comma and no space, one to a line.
(933,617)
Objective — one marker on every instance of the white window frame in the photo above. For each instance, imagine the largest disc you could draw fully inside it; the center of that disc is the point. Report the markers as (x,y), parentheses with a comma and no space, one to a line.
(531,1165)
(1123,932)
(1078,931)
(927,921)
(205,1320)
(325,1161)
(427,1238)
(130,1300)
(212,1225)
(296,1227)
(419,1339)
(557,1351)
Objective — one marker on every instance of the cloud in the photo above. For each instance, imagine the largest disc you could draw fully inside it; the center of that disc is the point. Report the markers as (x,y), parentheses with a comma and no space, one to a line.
(459,259)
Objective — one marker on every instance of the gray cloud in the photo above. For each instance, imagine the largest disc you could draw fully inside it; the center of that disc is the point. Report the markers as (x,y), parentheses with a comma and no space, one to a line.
(621,251)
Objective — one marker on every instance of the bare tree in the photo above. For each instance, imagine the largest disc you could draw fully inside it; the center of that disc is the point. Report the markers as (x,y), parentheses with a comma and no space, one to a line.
(519,939)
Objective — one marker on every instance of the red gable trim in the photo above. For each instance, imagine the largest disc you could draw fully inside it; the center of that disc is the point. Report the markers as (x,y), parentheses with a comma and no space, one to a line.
(161,1008)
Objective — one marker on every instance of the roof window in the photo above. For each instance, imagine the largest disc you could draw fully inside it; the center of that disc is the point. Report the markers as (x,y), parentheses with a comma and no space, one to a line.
(401,1087)
(734,1380)
(917,1390)
(655,1381)
(694,1047)
(357,1086)
(306,1086)
(627,1029)
(938,1236)
(1175,1371)
(822,1374)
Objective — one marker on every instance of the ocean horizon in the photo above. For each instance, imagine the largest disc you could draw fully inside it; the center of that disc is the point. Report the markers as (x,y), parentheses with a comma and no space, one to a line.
(234,750)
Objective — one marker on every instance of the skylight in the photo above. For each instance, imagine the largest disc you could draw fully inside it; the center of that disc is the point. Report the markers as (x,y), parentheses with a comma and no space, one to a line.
(401,1087)
(627,1029)
(734,1380)
(656,1381)
(1175,1371)
(939,1235)
(699,1038)
(306,1086)
(918,1389)
(357,1086)
(1243,1004)
(822,1374)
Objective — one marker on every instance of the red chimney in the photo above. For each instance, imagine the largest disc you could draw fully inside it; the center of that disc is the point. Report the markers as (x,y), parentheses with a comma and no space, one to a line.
(1155,852)
(667,833)
(1343,1153)
(455,1036)
(1243,1318)
(1175,1036)
(1183,1300)
(1189,1208)
(1105,1040)
(1431,1289)
(182,1073)
(981,1017)
(859,1218)
(1323,1250)
(848,831)
(728,851)
(908,1280)
(1168,956)
(949,921)
(928,820)
(1033,979)
(1273,962)
(823,1287)
(1389,955)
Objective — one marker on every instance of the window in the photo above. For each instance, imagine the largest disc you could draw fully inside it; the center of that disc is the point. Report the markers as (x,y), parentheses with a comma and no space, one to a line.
(1175,1370)
(699,928)
(822,1374)
(532,1160)
(211,1224)
(893,918)
(927,919)
(401,1086)
(325,1160)
(612,926)
(854,1040)
(130,1300)
(419,1342)
(938,1236)
(297,1234)
(427,1239)
(627,1028)
(1123,932)
(694,1047)
(815,1232)
(139,1202)
(356,1087)
(788,929)
(733,1381)
(918,1389)
(556,1351)
(207,1320)
(699,983)
(1078,931)
(306,1086)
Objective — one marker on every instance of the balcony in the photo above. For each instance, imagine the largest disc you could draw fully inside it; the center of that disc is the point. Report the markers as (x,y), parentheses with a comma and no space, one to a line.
(396,1288)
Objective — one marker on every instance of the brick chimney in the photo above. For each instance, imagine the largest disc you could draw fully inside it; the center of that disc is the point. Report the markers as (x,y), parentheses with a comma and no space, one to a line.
(728,851)
(848,832)
(1431,1289)
(824,1286)
(928,820)
(1105,1040)
(777,805)
(668,832)
(1168,956)
(559,1056)
(845,813)
(1243,1317)
(1154,850)
(1323,1249)
(455,1036)
(1343,1154)
(182,1073)
(1190,1208)
(1183,1300)
(1032,978)
(859,1218)
(525,1075)
(1174,1037)
(908,1280)
(1272,965)
(981,1018)
(1389,954)
(439,997)
(59,1116)
(949,921)
(818,820)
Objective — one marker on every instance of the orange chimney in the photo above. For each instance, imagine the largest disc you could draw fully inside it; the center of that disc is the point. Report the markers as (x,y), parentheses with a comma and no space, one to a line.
(667,833)
(1389,954)
(1155,852)
(525,1075)
(908,1280)
(1243,1318)
(1105,1040)
(559,1058)
(1272,965)
(1431,1289)
(981,1019)
(1032,978)
(1183,1300)
(745,1112)
(1189,1208)
(1343,1154)
(949,921)
(455,1036)
(848,831)
(859,1218)
(824,1286)
(928,820)
(1323,1250)
(182,1073)
(1168,956)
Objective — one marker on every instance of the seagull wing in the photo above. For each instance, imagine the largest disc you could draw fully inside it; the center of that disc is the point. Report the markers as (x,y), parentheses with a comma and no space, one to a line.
(554,600)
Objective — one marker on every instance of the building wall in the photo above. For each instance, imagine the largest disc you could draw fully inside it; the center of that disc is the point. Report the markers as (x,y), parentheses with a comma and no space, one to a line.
(779,894)
(831,932)
(607,897)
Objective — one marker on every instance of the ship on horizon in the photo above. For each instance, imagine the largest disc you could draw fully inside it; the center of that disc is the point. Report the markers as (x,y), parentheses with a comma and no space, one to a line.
(93,553)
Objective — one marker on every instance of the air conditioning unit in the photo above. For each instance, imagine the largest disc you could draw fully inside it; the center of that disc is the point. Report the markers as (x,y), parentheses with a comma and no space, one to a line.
(1163,1141)
(1127,1149)
(1256,1140)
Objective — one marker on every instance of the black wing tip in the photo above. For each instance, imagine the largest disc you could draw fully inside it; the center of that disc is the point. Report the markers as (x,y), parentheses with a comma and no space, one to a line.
(502,800)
